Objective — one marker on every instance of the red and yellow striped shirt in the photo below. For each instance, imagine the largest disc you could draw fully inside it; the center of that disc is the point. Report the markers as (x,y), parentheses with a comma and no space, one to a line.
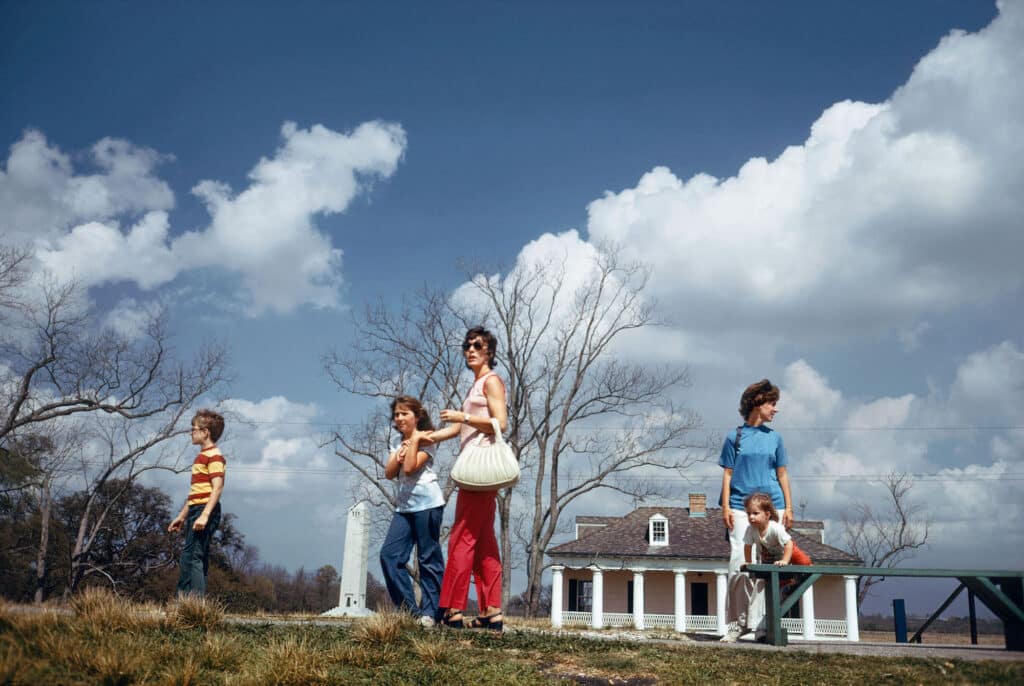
(209,463)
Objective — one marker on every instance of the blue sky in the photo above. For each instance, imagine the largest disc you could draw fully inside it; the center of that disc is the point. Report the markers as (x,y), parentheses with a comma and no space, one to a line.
(825,191)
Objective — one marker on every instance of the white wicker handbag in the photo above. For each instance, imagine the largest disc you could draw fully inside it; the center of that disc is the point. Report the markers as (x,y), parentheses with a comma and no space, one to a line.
(486,467)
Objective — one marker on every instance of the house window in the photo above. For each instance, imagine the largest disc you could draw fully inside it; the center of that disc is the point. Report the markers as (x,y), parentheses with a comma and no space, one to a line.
(580,595)
(698,598)
(657,533)
(629,596)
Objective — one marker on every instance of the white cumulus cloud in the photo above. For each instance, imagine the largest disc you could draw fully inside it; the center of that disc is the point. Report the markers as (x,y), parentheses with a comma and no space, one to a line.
(41,196)
(114,226)
(97,253)
(266,233)
(886,212)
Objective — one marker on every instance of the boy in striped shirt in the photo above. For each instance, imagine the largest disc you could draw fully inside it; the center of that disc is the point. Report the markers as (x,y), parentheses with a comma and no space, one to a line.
(201,513)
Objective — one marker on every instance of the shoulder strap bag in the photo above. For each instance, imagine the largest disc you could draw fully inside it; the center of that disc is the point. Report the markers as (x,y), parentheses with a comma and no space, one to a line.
(736,454)
(487,467)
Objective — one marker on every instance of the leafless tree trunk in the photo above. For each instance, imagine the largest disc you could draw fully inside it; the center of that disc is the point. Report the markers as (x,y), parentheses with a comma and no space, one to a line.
(887,537)
(41,459)
(580,418)
(45,503)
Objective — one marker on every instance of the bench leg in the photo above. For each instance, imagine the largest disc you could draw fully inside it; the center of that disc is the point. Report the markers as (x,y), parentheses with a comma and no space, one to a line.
(1013,628)
(776,635)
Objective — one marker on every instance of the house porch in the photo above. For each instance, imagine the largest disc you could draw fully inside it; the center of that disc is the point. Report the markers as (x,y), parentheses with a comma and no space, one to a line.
(685,600)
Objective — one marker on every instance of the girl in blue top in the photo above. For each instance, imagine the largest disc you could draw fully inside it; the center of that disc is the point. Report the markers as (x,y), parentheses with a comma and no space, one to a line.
(753,460)
(418,512)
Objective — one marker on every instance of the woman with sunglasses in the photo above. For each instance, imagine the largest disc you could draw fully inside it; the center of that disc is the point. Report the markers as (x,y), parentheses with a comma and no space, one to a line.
(472,546)
(753,460)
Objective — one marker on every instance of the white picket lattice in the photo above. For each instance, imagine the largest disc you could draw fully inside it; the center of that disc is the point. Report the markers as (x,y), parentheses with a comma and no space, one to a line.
(660,621)
(702,623)
(574,617)
(822,627)
(618,619)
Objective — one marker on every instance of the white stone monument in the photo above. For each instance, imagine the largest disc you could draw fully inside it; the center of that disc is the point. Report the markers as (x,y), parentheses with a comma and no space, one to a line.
(352,599)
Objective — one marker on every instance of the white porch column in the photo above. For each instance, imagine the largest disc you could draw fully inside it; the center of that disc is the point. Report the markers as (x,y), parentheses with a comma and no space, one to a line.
(638,599)
(807,612)
(597,599)
(680,609)
(852,628)
(556,596)
(721,591)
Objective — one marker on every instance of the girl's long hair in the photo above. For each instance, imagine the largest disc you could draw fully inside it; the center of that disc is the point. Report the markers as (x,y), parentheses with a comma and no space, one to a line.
(423,422)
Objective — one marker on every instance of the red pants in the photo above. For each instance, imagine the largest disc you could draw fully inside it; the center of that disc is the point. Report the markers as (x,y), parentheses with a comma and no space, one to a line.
(473,549)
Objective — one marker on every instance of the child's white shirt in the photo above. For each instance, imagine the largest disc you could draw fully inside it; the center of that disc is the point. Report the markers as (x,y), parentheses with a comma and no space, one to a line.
(772,545)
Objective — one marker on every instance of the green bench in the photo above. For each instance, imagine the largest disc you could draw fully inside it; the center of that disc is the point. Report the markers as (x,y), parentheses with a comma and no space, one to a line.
(1002,592)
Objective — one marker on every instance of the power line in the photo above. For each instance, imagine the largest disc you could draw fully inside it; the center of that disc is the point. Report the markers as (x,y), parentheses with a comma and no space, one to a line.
(234,467)
(925,477)
(788,429)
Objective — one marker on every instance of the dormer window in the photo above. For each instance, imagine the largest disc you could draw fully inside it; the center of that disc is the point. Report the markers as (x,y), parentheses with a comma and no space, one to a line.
(657,530)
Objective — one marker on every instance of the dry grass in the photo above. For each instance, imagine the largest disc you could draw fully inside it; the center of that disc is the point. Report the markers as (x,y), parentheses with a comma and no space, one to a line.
(21,618)
(117,661)
(219,652)
(383,628)
(361,656)
(289,661)
(186,674)
(988,640)
(100,607)
(13,663)
(70,648)
(193,612)
(430,650)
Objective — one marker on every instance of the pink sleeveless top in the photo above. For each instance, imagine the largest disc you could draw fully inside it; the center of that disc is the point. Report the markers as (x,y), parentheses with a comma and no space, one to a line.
(476,405)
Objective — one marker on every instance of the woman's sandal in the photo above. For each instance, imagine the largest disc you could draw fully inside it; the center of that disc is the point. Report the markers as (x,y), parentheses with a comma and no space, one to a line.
(453,621)
(488,622)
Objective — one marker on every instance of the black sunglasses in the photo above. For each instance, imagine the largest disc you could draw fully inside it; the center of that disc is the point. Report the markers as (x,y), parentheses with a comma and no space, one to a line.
(476,345)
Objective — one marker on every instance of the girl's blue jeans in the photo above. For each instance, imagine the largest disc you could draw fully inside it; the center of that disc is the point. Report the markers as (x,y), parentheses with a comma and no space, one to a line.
(423,530)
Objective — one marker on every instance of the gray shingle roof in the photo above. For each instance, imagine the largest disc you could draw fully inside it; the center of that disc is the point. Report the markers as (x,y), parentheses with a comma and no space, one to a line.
(694,538)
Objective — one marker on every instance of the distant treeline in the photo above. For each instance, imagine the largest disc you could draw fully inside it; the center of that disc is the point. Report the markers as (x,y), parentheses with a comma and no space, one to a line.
(134,555)
(943,625)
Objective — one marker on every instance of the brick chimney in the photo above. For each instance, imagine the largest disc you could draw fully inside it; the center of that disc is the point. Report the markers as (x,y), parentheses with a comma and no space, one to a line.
(698,505)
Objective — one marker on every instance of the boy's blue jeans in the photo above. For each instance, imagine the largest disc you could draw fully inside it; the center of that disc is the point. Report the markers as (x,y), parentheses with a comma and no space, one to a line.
(195,558)
(422,529)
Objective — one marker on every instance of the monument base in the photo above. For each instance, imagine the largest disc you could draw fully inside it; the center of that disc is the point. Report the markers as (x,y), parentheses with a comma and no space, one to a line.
(348,612)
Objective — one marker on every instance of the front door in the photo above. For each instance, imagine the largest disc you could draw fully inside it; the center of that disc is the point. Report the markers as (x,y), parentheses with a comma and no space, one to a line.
(699,598)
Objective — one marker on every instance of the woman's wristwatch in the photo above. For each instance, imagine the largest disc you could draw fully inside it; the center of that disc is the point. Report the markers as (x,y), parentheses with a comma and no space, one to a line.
(465,418)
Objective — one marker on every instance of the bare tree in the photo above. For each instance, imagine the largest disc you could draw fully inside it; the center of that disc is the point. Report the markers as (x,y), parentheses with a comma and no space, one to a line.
(13,274)
(61,371)
(580,418)
(125,448)
(886,537)
(55,362)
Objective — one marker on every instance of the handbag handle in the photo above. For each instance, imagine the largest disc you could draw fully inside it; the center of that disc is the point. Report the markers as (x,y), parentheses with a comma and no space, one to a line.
(497,431)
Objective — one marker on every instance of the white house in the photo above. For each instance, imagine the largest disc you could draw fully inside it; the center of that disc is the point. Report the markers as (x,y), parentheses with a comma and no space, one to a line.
(668,567)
